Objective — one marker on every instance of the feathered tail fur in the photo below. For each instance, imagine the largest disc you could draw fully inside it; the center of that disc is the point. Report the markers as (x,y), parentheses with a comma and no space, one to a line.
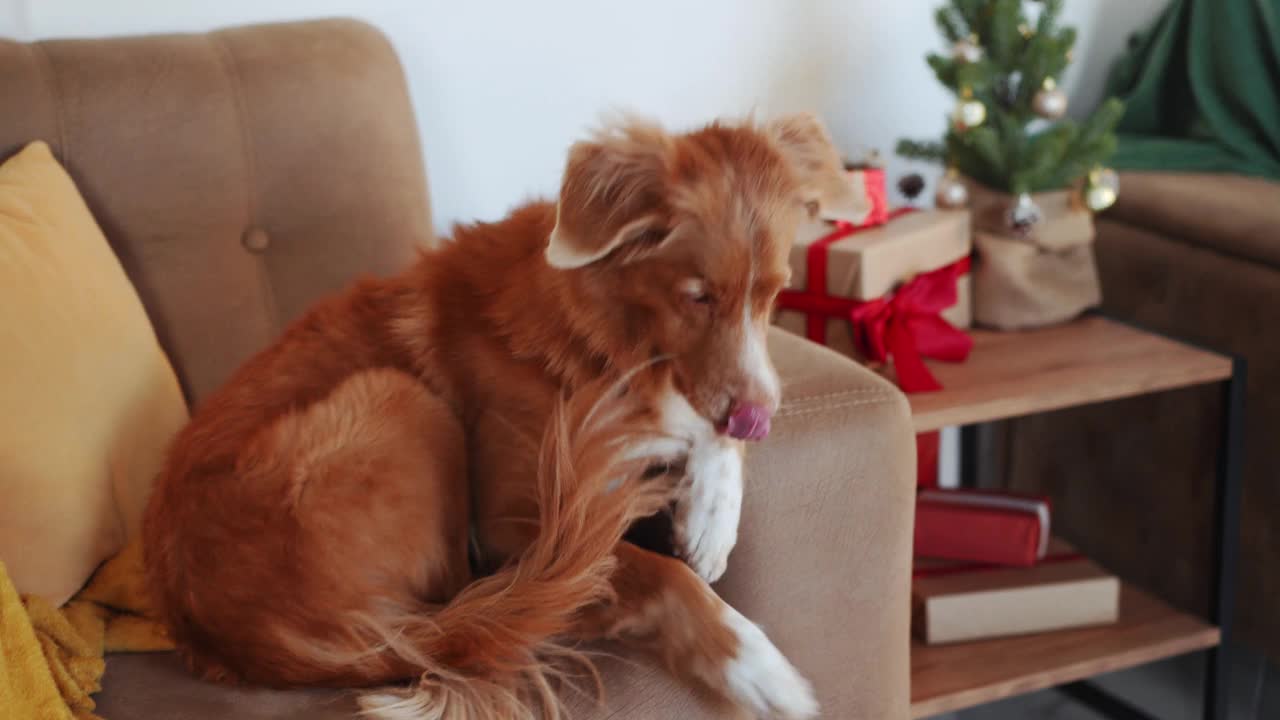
(492,652)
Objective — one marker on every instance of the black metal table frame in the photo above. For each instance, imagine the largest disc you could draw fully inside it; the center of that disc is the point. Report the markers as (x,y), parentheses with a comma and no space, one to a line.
(1224,558)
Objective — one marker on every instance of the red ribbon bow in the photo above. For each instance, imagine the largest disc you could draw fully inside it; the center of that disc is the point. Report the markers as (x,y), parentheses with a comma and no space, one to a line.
(904,328)
(908,327)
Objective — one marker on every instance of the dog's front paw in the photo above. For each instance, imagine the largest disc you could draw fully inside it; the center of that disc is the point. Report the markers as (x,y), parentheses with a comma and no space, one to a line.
(706,517)
(761,679)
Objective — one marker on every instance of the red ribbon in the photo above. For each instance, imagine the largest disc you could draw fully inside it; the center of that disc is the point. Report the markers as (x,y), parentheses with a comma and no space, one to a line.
(878,194)
(905,327)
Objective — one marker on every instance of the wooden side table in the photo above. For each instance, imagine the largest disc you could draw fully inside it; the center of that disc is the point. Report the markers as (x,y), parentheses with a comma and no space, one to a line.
(1087,361)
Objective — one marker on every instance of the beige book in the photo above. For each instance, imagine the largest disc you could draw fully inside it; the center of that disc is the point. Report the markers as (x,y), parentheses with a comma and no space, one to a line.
(951,604)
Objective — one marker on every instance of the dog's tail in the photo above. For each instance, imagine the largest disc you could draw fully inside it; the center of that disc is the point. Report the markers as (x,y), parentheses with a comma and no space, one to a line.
(492,651)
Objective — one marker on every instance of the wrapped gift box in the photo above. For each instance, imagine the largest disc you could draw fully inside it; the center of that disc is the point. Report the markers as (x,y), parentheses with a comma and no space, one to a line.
(872,261)
(923,254)
(869,184)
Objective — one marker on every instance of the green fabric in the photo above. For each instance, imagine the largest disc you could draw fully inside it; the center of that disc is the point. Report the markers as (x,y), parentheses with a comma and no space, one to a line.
(1202,90)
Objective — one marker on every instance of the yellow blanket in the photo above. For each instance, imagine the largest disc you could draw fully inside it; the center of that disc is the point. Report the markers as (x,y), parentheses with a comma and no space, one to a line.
(51,659)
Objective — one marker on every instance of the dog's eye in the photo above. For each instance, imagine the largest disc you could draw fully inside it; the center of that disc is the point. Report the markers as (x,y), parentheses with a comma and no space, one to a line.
(696,291)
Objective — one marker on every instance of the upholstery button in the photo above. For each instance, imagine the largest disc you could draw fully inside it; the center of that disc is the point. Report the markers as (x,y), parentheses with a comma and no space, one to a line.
(255,240)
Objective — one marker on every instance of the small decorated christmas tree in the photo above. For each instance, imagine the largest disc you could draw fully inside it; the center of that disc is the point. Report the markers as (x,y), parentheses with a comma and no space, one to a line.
(1004,68)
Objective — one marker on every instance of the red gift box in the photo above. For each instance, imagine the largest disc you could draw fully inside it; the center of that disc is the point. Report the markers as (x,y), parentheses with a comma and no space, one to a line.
(869,182)
(982,526)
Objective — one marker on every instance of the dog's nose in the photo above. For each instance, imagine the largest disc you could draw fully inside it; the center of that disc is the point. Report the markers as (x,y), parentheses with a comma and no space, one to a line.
(748,421)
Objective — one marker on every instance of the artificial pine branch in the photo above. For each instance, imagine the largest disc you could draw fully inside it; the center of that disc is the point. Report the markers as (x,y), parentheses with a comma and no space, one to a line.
(1003,153)
(931,151)
(950,24)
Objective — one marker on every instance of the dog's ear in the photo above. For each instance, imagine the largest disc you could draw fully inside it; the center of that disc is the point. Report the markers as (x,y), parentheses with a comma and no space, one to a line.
(611,197)
(803,141)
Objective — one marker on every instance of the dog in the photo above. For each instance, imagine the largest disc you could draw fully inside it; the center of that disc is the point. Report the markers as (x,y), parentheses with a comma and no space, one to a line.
(428,477)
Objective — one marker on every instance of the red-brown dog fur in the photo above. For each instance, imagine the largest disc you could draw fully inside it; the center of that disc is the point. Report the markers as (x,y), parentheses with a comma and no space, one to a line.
(311,525)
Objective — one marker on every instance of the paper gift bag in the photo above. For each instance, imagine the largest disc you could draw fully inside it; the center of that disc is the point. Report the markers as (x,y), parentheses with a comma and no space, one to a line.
(1043,277)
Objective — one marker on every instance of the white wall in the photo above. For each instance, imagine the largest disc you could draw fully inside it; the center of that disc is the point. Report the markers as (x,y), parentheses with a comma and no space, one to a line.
(502,88)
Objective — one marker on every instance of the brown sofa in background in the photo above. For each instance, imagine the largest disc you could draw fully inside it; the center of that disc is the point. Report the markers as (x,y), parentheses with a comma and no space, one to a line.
(241,174)
(1196,257)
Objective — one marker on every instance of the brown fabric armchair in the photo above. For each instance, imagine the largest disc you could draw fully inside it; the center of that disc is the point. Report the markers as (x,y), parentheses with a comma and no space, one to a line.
(241,174)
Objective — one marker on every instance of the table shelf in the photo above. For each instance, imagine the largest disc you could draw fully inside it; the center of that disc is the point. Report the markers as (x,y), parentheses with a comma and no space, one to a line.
(1010,374)
(945,678)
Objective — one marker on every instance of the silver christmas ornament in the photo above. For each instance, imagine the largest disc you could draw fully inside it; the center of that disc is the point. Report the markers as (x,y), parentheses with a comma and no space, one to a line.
(1024,215)
(951,194)
(967,50)
(1049,101)
(969,113)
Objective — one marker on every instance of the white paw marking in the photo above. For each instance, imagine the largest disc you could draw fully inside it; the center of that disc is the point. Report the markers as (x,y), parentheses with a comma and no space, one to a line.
(680,420)
(709,500)
(760,678)
(709,505)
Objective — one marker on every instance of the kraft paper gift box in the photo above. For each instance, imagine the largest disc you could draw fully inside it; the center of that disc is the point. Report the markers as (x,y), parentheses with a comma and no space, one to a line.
(871,264)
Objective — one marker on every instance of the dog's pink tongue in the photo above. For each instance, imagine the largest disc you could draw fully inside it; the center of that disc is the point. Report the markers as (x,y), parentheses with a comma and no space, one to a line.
(748,422)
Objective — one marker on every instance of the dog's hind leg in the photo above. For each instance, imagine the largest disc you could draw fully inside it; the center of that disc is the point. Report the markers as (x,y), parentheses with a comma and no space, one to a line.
(663,607)
(336,518)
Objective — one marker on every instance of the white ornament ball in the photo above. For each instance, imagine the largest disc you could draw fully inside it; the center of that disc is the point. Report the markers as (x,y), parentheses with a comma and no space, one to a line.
(952,194)
(966,51)
(1049,103)
(969,114)
(1099,197)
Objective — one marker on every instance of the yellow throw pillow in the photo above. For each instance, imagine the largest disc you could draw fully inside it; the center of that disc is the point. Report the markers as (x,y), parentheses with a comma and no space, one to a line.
(88,400)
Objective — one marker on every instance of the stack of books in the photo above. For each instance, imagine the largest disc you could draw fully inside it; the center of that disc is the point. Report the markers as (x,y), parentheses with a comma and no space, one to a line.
(987,566)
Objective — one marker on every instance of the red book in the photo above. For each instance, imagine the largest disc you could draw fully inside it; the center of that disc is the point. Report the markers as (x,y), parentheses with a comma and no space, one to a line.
(982,526)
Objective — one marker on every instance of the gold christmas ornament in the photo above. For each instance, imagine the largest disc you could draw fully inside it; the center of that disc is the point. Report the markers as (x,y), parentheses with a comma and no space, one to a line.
(952,194)
(969,113)
(1105,177)
(1025,30)
(1049,101)
(1101,189)
(967,50)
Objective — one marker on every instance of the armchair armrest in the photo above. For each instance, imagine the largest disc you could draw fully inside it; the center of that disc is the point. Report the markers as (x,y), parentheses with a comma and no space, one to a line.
(823,556)
(823,560)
